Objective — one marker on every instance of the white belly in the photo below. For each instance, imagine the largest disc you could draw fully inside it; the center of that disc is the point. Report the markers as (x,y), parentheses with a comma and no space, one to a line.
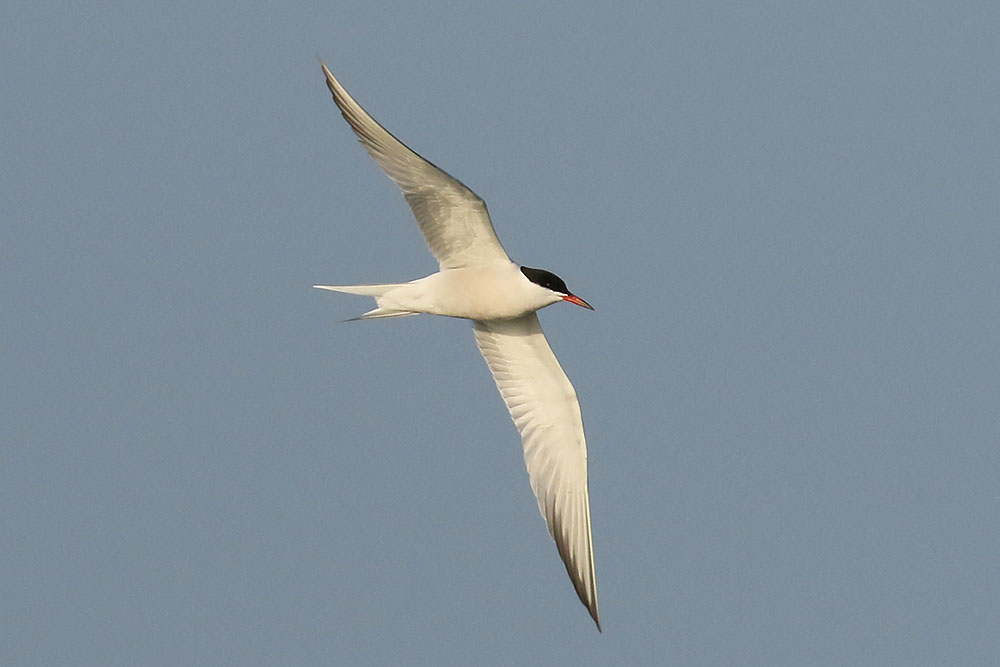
(486,292)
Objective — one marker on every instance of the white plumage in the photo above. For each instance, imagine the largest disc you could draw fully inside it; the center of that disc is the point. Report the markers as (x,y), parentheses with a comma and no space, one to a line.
(477,281)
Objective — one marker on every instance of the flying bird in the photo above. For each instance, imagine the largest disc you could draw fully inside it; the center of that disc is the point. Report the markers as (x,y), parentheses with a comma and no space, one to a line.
(478,281)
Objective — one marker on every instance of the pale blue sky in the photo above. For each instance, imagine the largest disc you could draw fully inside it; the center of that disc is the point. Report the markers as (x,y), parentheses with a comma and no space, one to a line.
(786,214)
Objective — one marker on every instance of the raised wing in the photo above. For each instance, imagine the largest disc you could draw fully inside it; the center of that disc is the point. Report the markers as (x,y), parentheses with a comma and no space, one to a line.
(453,218)
(543,405)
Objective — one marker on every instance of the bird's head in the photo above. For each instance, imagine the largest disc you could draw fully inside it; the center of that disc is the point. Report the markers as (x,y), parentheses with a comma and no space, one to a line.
(554,284)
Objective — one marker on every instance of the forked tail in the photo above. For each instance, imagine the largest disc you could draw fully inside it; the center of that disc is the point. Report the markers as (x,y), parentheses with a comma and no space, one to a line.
(378,291)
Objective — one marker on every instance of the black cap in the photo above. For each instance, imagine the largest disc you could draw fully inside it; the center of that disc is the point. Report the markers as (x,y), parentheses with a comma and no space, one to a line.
(546,279)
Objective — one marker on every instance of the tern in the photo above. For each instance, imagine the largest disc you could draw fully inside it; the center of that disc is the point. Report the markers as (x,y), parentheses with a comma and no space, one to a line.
(477,281)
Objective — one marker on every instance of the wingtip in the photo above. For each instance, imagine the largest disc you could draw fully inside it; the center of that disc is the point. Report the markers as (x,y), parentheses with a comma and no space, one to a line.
(597,619)
(331,80)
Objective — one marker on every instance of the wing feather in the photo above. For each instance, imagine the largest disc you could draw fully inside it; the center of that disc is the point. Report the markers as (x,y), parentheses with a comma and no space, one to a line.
(452,218)
(544,407)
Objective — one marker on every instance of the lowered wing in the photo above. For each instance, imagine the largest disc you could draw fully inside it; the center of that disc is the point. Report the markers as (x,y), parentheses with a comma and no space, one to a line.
(544,407)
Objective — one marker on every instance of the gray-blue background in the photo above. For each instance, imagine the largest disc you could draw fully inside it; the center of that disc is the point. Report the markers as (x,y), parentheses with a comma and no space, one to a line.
(785,213)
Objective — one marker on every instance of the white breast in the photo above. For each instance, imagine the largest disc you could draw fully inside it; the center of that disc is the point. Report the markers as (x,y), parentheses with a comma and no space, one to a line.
(494,291)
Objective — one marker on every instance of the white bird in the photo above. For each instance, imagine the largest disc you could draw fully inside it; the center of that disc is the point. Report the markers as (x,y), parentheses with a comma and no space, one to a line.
(477,281)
